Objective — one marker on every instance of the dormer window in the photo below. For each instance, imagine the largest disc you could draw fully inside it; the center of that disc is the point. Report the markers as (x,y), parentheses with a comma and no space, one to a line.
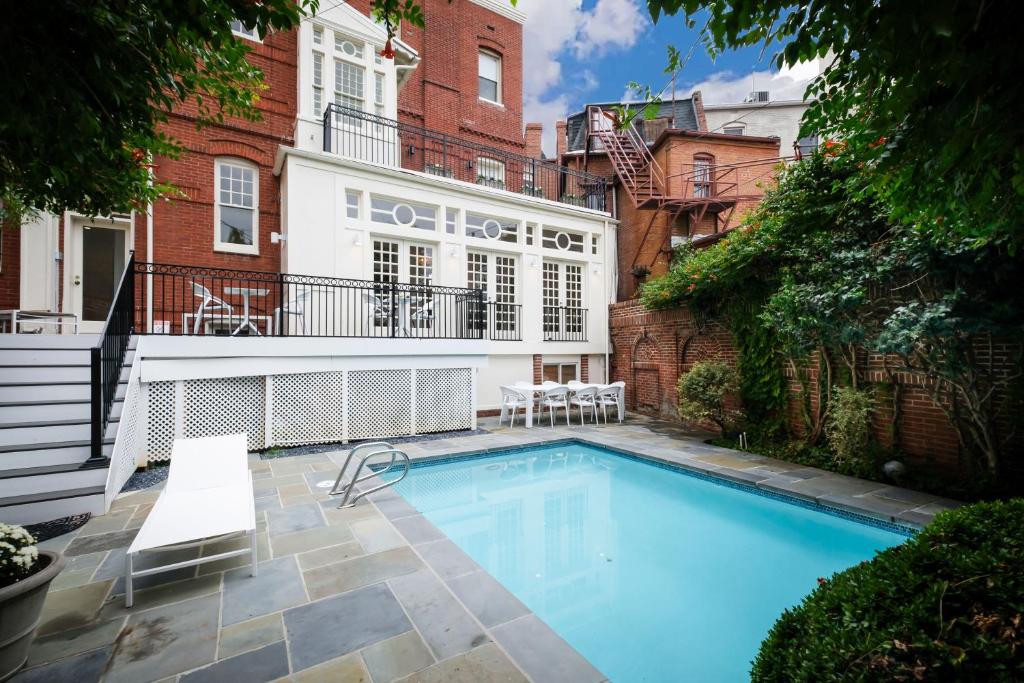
(490,76)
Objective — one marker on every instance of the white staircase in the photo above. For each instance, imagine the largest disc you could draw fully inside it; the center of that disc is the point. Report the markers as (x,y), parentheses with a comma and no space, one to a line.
(45,469)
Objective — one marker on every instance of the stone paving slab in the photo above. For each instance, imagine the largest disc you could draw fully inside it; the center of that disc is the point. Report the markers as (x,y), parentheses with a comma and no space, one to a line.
(370,593)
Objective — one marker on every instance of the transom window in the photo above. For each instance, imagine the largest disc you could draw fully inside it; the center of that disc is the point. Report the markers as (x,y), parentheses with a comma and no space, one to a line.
(488,227)
(562,240)
(405,214)
(347,47)
(237,207)
(489,73)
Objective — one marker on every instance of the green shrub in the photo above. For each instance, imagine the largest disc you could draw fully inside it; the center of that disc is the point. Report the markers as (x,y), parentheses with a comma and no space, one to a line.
(18,554)
(704,390)
(848,429)
(947,605)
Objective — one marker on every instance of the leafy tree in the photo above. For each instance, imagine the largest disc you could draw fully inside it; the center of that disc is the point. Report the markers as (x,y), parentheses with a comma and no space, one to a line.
(925,89)
(87,87)
(839,277)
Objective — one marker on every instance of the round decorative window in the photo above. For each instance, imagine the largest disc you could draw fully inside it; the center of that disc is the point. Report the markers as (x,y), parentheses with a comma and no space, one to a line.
(403,214)
(349,48)
(563,241)
(492,229)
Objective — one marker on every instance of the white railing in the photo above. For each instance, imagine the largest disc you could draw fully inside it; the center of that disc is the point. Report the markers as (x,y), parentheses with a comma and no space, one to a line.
(128,437)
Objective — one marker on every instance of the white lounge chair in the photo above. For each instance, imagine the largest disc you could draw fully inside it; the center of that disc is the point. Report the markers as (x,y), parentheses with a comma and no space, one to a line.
(208,497)
(210,304)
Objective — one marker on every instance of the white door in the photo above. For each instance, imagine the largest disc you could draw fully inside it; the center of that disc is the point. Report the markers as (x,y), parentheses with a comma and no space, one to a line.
(495,274)
(403,303)
(563,301)
(99,254)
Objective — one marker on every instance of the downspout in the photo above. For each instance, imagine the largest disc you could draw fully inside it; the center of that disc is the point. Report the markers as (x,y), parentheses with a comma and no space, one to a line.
(149,258)
(612,279)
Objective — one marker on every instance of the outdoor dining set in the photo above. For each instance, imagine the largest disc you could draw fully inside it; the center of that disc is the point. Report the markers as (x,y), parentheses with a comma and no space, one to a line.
(534,399)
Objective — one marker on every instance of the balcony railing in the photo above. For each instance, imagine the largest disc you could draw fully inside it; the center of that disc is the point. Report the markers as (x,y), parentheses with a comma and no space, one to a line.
(361,135)
(186,300)
(564,323)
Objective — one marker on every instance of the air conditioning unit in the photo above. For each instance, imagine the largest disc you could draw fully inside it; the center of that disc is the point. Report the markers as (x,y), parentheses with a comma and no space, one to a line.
(758,96)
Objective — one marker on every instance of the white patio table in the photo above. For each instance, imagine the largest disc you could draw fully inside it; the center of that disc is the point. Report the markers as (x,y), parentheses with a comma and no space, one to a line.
(245,293)
(532,389)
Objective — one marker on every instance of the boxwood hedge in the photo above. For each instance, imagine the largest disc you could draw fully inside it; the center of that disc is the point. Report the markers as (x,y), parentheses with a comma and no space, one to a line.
(947,605)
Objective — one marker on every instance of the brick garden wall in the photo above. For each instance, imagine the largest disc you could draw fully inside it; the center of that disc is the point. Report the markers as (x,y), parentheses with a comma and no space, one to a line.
(10,267)
(652,348)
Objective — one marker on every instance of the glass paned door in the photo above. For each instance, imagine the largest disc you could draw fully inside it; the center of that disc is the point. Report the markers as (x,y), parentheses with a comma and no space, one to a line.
(103,259)
(402,299)
(495,274)
(562,293)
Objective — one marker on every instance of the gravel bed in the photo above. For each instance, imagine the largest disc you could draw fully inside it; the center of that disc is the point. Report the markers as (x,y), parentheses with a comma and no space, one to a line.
(143,479)
(275,453)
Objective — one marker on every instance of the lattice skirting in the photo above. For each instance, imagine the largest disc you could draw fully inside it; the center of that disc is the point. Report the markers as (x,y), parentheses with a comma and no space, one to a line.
(308,408)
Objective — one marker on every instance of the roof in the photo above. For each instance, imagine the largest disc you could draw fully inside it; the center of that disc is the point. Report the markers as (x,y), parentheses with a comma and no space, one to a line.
(682,112)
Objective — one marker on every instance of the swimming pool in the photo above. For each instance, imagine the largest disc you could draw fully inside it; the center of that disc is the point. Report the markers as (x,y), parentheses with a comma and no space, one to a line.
(652,574)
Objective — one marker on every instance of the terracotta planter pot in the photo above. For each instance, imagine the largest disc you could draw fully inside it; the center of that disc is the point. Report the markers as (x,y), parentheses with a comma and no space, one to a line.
(20,606)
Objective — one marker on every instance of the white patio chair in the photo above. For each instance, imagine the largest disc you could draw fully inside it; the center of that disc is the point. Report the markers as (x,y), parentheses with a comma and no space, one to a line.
(554,398)
(609,396)
(513,399)
(208,498)
(296,308)
(210,304)
(584,397)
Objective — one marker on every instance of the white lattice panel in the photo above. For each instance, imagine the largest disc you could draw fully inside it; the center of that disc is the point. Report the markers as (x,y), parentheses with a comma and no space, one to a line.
(379,403)
(444,399)
(308,408)
(229,405)
(127,435)
(160,419)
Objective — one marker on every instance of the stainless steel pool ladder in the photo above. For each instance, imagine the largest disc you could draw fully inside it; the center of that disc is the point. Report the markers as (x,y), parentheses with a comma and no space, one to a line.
(375,448)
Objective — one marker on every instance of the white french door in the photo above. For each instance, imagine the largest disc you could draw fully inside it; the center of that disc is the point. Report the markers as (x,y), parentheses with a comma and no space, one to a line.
(562,292)
(402,301)
(496,275)
(99,252)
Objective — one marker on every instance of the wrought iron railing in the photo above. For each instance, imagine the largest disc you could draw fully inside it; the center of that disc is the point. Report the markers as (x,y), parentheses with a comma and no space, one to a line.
(565,323)
(188,300)
(361,135)
(107,356)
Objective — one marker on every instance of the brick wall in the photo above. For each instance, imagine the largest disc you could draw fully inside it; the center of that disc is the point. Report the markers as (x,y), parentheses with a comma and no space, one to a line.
(10,267)
(652,348)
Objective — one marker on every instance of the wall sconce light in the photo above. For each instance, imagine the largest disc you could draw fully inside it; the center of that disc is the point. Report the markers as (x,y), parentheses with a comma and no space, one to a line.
(595,269)
(532,261)
(357,239)
(453,251)
(412,150)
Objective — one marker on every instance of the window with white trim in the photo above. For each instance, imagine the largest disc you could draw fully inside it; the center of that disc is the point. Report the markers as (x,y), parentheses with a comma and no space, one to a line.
(318,84)
(489,76)
(378,93)
(405,214)
(490,172)
(451,221)
(495,274)
(349,85)
(347,47)
(352,203)
(488,227)
(243,31)
(562,240)
(236,210)
(733,130)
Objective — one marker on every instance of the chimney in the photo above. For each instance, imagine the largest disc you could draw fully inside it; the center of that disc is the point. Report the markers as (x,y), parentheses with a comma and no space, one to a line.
(533,135)
(698,110)
(561,143)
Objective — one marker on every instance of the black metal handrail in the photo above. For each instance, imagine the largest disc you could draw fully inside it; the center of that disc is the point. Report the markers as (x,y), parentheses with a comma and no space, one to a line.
(194,300)
(361,135)
(107,356)
(565,323)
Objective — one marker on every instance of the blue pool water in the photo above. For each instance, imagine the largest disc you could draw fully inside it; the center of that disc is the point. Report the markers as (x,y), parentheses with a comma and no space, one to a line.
(651,574)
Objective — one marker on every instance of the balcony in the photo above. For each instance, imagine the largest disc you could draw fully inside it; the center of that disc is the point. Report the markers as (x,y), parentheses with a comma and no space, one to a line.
(185,300)
(565,323)
(356,134)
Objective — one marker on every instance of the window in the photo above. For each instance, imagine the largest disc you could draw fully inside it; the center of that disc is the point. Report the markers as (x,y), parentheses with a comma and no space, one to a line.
(495,274)
(490,172)
(240,29)
(733,130)
(348,85)
(352,203)
(236,211)
(498,229)
(451,220)
(562,299)
(562,373)
(562,240)
(530,228)
(318,35)
(347,47)
(490,76)
(378,93)
(405,214)
(703,172)
(318,84)
(594,245)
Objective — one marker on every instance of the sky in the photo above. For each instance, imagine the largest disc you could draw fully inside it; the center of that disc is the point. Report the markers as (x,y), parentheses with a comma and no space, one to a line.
(575,52)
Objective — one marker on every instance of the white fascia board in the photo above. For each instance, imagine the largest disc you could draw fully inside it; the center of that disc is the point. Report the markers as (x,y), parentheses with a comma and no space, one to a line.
(401,174)
(352,21)
(504,8)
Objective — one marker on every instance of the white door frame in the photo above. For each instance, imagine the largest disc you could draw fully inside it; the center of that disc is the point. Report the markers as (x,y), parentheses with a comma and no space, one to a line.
(74,225)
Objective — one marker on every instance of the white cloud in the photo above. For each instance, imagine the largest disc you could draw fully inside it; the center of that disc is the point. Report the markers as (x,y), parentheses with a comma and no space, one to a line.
(554,27)
(726,87)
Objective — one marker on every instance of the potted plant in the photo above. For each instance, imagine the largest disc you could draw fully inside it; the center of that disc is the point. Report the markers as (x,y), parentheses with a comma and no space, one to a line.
(25,576)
